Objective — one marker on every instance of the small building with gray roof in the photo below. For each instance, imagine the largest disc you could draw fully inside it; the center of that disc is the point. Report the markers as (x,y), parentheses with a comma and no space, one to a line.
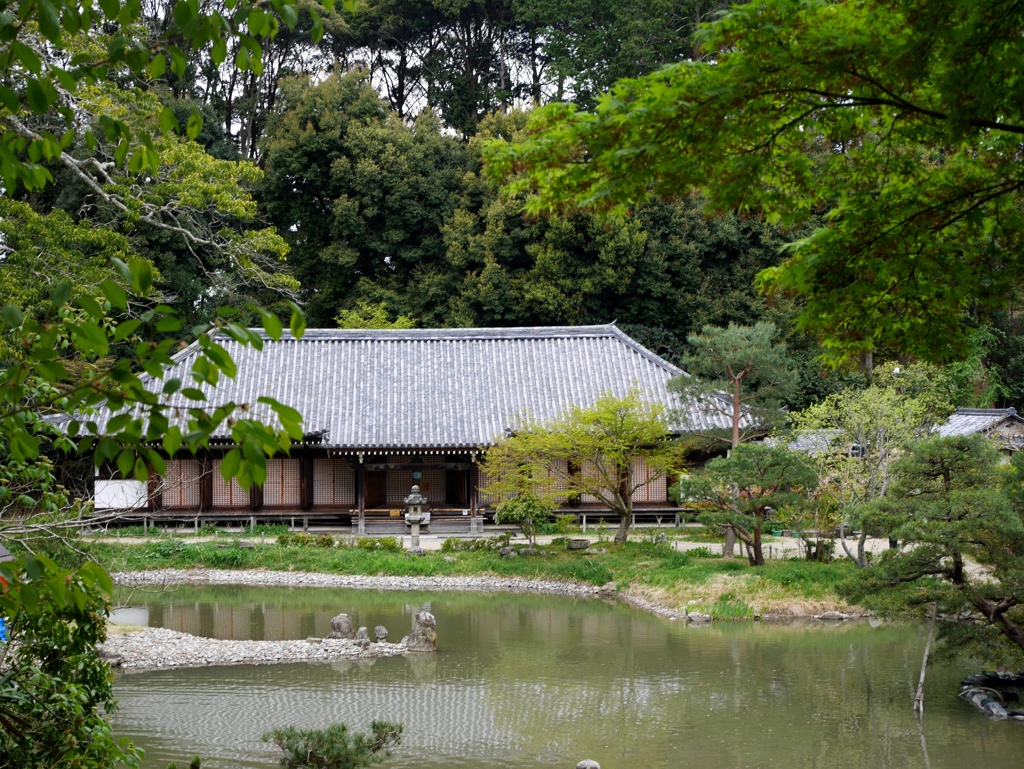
(1004,427)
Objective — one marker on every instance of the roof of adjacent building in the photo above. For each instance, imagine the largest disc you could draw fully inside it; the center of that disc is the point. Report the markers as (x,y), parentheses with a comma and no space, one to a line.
(970,421)
(457,388)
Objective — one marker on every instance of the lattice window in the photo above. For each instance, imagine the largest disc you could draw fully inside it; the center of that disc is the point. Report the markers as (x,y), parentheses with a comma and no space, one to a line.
(227,493)
(400,483)
(283,485)
(334,482)
(182,484)
(654,492)
(483,479)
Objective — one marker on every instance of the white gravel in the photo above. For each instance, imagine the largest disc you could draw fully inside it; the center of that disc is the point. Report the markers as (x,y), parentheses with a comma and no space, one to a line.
(154,648)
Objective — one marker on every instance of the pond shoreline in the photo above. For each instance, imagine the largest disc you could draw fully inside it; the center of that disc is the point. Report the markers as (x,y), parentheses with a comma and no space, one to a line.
(484,584)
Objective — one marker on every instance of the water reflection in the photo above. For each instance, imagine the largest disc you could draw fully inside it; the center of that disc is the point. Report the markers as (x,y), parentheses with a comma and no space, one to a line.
(522,681)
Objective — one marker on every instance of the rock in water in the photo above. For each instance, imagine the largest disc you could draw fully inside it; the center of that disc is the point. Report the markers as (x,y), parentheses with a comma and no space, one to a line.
(380,634)
(341,627)
(362,638)
(423,637)
(588,763)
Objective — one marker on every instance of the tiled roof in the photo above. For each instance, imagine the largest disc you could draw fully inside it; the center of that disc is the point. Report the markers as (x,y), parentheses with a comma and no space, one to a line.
(458,388)
(812,442)
(970,421)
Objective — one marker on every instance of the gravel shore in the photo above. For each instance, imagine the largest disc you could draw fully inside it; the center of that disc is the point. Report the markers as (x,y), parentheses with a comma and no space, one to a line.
(151,648)
(304,579)
(155,648)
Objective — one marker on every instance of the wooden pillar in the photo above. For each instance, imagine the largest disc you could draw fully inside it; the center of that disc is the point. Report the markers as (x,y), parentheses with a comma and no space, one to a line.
(361,497)
(472,478)
(307,479)
(206,482)
(256,497)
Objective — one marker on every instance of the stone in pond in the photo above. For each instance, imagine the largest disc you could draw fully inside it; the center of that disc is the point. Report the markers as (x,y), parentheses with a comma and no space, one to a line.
(341,627)
(423,637)
(362,637)
(380,633)
(588,763)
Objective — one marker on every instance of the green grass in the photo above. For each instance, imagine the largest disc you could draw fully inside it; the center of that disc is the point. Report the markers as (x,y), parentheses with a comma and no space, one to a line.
(636,563)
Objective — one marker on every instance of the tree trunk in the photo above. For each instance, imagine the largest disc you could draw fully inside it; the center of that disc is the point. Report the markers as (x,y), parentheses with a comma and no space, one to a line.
(758,556)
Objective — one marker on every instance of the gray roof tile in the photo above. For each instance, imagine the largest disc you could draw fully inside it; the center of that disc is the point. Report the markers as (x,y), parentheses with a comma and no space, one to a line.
(458,388)
(969,421)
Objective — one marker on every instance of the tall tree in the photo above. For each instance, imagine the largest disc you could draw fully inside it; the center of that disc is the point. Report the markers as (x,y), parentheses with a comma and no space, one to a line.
(899,117)
(741,372)
(359,194)
(744,489)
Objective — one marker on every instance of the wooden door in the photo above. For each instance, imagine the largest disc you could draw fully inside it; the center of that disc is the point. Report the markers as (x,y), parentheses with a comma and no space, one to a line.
(456,488)
(376,494)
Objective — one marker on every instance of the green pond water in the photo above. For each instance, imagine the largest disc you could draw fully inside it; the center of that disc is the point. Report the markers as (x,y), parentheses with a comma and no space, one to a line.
(534,681)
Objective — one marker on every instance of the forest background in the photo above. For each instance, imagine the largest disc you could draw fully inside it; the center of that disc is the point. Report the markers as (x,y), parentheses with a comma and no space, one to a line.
(348,173)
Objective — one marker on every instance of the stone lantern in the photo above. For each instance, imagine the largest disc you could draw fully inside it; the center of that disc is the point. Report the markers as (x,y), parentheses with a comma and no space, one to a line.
(414,516)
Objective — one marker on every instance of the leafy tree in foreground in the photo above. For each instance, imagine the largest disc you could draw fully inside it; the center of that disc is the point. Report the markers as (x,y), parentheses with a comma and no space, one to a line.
(743,489)
(963,522)
(899,118)
(334,747)
(54,689)
(591,450)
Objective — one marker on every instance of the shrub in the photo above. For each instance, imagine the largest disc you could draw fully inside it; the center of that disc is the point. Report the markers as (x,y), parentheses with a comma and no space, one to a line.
(391,544)
(458,545)
(302,539)
(334,747)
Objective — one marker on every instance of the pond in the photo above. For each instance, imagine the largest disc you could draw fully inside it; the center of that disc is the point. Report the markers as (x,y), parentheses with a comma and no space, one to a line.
(532,681)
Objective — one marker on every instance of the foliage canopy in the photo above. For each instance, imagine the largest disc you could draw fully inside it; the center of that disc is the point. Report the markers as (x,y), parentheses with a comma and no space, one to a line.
(899,120)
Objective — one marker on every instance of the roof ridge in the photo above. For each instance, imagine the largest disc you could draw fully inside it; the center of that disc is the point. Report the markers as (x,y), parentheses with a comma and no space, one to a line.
(474,332)
(979,412)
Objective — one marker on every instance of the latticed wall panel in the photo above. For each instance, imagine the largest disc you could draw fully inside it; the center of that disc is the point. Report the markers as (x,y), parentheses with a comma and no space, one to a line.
(227,493)
(431,483)
(483,479)
(182,485)
(655,491)
(283,485)
(334,482)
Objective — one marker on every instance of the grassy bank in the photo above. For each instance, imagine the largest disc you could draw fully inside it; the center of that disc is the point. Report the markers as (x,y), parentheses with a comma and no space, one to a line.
(723,588)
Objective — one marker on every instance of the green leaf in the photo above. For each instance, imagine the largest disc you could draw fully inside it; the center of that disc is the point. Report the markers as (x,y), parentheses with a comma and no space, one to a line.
(115,294)
(230,464)
(194,126)
(271,324)
(125,462)
(297,324)
(11,316)
(168,121)
(172,441)
(60,294)
(35,95)
(49,21)
(9,99)
(157,66)
(141,276)
(91,306)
